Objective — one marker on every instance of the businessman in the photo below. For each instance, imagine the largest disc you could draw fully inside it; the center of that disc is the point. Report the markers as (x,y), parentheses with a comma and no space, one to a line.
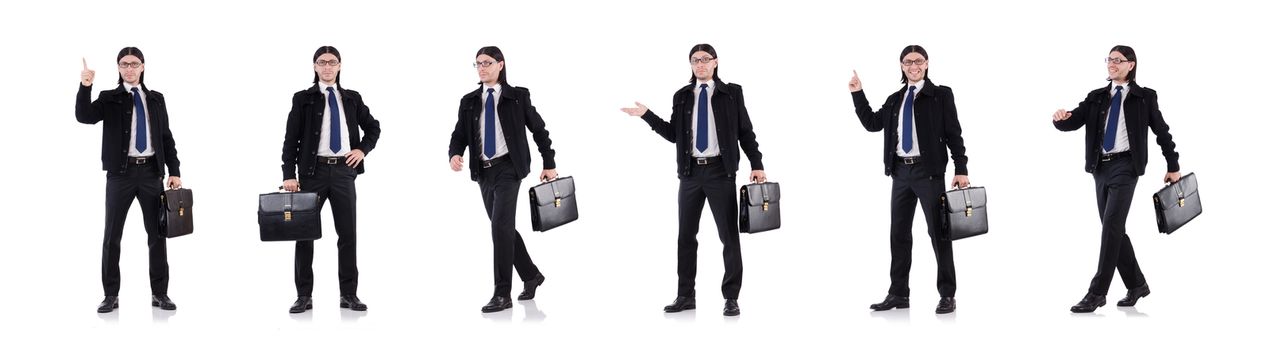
(920,125)
(491,125)
(136,145)
(707,123)
(323,152)
(1116,118)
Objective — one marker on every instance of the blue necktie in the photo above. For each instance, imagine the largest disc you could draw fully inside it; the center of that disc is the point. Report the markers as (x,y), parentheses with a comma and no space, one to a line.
(490,143)
(703,120)
(335,120)
(141,120)
(1109,139)
(907,138)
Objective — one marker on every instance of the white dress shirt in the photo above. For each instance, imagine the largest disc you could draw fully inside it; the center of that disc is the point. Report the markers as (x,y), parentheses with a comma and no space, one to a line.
(712,144)
(899,127)
(500,144)
(132,140)
(324,143)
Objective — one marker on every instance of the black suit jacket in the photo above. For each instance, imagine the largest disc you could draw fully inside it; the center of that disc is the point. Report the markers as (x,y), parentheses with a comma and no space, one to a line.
(1141,110)
(114,107)
(731,121)
(304,128)
(515,113)
(935,119)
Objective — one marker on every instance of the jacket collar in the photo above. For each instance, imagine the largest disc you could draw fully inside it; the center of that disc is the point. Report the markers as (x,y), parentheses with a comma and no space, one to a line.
(928,89)
(719,87)
(1134,89)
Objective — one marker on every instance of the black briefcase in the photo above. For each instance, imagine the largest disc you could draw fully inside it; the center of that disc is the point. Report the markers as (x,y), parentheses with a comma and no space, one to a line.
(290,216)
(176,214)
(965,212)
(1177,203)
(552,204)
(760,207)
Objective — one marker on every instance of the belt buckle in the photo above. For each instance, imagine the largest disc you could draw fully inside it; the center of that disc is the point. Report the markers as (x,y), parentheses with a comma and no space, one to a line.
(331,160)
(909,161)
(138,160)
(703,161)
(486,164)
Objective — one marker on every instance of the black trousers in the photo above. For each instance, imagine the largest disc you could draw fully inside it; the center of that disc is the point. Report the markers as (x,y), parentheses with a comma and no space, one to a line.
(911,184)
(499,188)
(144,183)
(1114,182)
(709,182)
(334,182)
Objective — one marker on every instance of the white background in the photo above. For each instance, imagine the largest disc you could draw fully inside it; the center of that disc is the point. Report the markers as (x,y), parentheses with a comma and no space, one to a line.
(228,69)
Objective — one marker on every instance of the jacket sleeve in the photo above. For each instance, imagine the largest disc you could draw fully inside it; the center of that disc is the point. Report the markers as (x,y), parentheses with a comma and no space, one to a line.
(458,138)
(291,142)
(535,124)
(1162,136)
(660,126)
(87,111)
(1080,115)
(952,133)
(369,125)
(169,151)
(872,121)
(745,132)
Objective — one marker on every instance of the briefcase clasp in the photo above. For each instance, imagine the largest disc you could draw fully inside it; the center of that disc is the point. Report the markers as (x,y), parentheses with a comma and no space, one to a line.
(764,205)
(970,211)
(286,215)
(180,212)
(1181,202)
(557,202)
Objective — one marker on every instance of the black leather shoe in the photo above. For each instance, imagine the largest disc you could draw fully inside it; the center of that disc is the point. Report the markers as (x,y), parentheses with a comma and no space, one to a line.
(946,305)
(162,302)
(1132,297)
(681,304)
(531,288)
(351,302)
(730,308)
(301,304)
(109,304)
(891,302)
(1089,303)
(497,304)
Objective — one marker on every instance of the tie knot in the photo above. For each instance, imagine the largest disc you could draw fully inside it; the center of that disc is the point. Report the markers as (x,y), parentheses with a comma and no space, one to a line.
(912,88)
(1118,88)
(134,90)
(705,86)
(490,90)
(330,89)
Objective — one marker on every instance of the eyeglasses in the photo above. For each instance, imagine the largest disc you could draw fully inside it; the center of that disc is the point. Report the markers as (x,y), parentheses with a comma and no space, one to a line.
(702,60)
(328,63)
(1116,60)
(912,62)
(126,65)
(482,64)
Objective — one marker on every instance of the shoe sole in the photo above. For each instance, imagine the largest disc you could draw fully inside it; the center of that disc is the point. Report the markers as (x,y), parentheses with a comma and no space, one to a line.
(346,306)
(306,308)
(1135,301)
(689,307)
(112,309)
(902,306)
(1090,310)
(495,310)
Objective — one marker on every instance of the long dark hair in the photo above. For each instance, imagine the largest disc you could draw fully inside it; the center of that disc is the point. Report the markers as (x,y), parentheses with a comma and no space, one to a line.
(135,52)
(708,49)
(1131,56)
(911,49)
(497,55)
(326,50)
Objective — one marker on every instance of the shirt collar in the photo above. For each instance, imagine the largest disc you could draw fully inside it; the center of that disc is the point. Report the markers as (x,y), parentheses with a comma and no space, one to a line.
(129,87)
(919,85)
(498,89)
(322,86)
(709,84)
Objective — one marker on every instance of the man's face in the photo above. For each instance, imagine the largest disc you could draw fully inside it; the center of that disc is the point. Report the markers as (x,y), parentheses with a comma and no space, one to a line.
(327,67)
(1118,67)
(130,68)
(488,68)
(914,66)
(703,65)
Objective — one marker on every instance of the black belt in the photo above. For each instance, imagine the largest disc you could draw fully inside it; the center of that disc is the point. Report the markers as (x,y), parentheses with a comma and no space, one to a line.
(1113,156)
(140,160)
(908,160)
(485,164)
(330,160)
(707,160)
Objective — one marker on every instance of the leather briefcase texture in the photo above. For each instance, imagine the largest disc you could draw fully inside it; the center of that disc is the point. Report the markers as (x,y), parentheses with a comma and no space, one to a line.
(1177,204)
(760,207)
(176,214)
(552,204)
(965,212)
(290,216)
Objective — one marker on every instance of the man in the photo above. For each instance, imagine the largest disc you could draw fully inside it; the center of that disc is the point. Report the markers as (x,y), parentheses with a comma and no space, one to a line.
(1116,118)
(324,144)
(707,122)
(491,124)
(921,127)
(135,141)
